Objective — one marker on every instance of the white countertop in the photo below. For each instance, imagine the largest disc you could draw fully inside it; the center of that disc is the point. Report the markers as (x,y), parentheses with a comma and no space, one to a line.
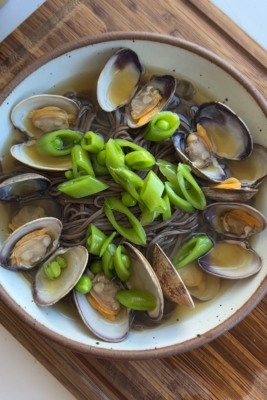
(33,381)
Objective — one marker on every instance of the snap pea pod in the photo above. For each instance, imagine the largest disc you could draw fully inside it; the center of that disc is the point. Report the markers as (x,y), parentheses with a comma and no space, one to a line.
(106,243)
(138,300)
(126,143)
(196,247)
(94,240)
(108,261)
(191,191)
(130,181)
(176,200)
(147,216)
(92,142)
(114,156)
(167,214)
(151,193)
(82,186)
(99,169)
(84,285)
(58,143)
(122,264)
(140,160)
(162,126)
(169,170)
(136,234)
(81,163)
(52,270)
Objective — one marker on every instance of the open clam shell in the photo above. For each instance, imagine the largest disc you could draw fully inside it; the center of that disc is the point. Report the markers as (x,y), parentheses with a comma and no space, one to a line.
(21,186)
(144,278)
(208,287)
(229,134)
(28,154)
(231,259)
(252,171)
(118,81)
(22,211)
(20,112)
(166,86)
(212,172)
(110,331)
(46,291)
(170,281)
(55,227)
(239,195)
(214,213)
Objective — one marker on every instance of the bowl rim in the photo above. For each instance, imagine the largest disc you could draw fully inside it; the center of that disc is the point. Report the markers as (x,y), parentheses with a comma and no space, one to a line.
(156,352)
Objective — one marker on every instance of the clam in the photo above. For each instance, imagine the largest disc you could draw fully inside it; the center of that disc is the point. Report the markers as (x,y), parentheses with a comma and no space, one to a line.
(118,81)
(228,133)
(112,329)
(152,98)
(231,259)
(170,281)
(47,292)
(28,154)
(212,172)
(200,284)
(251,171)
(235,220)
(44,113)
(229,190)
(100,310)
(28,211)
(28,245)
(218,133)
(144,278)
(21,186)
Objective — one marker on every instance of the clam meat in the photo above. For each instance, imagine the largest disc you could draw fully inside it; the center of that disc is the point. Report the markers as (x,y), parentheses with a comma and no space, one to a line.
(150,100)
(28,245)
(102,296)
(101,313)
(44,113)
(235,220)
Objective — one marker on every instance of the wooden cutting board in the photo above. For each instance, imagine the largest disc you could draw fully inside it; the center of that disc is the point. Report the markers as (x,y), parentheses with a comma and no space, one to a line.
(231,367)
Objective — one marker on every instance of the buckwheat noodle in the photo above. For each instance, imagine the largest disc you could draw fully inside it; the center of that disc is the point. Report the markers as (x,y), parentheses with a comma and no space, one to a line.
(77,214)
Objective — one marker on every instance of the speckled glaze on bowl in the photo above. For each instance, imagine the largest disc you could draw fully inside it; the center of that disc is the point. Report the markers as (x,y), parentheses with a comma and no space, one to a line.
(235,300)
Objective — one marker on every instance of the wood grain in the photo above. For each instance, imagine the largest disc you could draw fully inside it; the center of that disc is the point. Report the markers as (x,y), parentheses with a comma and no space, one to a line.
(231,367)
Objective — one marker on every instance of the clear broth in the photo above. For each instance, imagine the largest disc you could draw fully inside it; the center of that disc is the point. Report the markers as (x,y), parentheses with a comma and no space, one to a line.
(86,84)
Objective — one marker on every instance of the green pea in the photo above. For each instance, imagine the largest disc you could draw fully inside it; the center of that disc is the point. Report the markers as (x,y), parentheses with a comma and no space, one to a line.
(57,142)
(101,158)
(61,261)
(163,125)
(96,267)
(84,285)
(128,200)
(138,300)
(52,270)
(69,175)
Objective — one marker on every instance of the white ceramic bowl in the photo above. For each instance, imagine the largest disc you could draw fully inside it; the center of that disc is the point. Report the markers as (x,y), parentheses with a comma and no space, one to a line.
(186,329)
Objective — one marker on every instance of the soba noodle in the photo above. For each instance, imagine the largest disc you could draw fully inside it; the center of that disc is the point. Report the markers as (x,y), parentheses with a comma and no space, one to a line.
(79,213)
